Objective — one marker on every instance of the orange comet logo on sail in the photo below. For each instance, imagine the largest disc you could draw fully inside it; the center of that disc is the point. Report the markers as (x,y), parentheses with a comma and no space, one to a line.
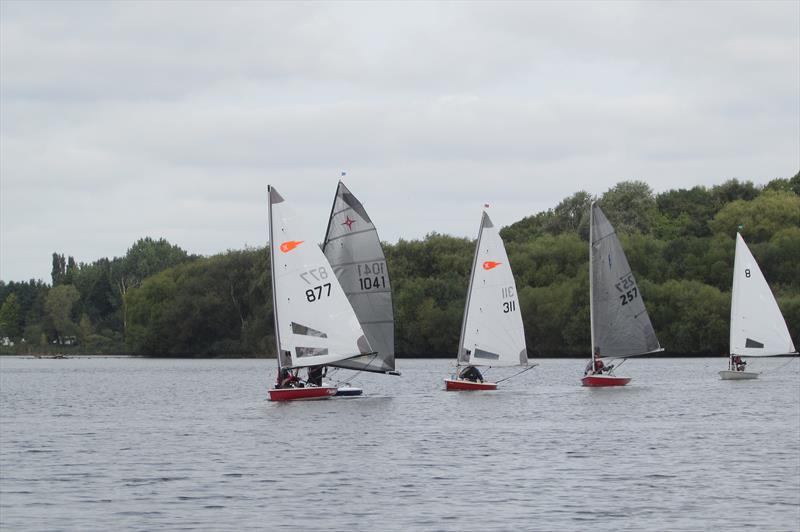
(488,265)
(286,247)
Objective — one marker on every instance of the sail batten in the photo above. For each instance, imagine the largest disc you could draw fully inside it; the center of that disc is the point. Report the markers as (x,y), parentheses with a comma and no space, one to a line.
(354,251)
(314,321)
(757,325)
(620,324)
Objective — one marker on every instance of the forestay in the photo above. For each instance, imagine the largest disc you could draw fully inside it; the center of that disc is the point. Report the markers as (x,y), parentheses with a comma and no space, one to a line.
(492,332)
(315,323)
(620,324)
(354,251)
(757,325)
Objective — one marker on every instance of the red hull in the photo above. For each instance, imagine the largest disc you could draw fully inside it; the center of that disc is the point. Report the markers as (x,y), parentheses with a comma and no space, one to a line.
(457,385)
(604,380)
(296,394)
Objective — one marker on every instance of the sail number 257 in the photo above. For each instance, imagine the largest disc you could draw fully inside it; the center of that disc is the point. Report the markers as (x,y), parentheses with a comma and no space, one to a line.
(627,288)
(315,293)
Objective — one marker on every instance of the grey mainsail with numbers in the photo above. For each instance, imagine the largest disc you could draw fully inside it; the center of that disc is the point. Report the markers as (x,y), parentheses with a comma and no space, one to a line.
(354,251)
(620,324)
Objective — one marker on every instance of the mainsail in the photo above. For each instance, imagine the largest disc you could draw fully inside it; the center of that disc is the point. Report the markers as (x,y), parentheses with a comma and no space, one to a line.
(314,321)
(620,324)
(757,325)
(354,251)
(491,332)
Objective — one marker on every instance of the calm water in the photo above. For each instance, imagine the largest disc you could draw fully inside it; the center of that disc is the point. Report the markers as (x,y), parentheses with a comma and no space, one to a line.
(102,444)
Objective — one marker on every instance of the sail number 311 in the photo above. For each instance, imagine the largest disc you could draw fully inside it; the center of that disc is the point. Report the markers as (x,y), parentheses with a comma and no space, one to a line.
(509,306)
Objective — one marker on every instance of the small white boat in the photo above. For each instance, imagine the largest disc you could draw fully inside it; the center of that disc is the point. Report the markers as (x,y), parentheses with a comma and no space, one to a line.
(491,331)
(620,325)
(757,325)
(315,324)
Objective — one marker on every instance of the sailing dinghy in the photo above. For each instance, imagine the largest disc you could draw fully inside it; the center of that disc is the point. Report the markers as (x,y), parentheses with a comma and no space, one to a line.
(354,251)
(491,330)
(620,325)
(315,324)
(757,325)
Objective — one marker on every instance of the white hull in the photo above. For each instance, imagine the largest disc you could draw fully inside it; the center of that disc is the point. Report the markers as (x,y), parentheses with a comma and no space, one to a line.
(728,375)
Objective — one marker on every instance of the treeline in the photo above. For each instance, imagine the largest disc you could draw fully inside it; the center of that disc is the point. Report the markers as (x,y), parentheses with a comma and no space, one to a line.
(159,300)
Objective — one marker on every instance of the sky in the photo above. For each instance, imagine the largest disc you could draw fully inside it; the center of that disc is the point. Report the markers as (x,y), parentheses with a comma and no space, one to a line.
(120,120)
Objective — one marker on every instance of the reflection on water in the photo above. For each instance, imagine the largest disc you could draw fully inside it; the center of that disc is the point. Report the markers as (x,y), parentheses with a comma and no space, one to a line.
(100,444)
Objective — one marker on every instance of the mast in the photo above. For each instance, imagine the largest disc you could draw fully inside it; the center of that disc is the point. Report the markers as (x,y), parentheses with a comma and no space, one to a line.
(330,218)
(591,277)
(469,292)
(272,276)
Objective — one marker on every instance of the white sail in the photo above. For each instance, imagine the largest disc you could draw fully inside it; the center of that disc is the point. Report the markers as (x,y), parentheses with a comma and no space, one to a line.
(354,250)
(757,325)
(315,323)
(492,332)
(620,324)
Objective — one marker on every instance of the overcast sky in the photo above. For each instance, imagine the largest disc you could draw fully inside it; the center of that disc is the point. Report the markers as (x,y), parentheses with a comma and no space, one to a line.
(125,120)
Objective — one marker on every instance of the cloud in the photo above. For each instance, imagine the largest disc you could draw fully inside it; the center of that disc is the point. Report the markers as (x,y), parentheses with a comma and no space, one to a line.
(121,120)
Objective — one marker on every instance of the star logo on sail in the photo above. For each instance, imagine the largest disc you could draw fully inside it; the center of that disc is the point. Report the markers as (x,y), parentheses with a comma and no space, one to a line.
(488,265)
(286,247)
(349,223)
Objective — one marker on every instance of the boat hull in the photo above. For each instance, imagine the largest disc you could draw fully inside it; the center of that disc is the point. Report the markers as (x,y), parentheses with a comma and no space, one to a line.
(728,375)
(600,381)
(348,391)
(461,385)
(299,394)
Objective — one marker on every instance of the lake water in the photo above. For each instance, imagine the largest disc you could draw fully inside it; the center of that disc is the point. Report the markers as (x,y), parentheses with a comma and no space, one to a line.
(140,444)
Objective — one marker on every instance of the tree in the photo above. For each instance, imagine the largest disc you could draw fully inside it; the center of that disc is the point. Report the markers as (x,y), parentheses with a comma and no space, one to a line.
(760,218)
(58,306)
(11,318)
(630,206)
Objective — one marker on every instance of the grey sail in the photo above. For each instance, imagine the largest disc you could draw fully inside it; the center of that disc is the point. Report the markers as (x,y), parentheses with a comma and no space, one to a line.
(354,250)
(620,324)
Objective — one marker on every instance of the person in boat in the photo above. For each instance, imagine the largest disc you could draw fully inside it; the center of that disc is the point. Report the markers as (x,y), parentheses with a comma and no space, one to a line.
(288,379)
(738,363)
(599,367)
(471,373)
(315,374)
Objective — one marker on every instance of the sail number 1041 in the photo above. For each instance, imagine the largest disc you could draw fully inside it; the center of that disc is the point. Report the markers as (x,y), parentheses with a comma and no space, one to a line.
(372,275)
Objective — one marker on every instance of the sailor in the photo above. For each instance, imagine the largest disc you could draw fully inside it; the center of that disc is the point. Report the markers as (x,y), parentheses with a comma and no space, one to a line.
(471,373)
(287,379)
(314,376)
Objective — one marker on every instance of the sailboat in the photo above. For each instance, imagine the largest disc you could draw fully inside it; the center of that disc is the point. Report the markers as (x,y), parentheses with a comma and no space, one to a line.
(354,251)
(757,325)
(491,330)
(620,325)
(315,324)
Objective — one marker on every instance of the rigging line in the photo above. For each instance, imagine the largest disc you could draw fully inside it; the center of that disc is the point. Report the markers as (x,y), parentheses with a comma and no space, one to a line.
(355,375)
(781,366)
(518,373)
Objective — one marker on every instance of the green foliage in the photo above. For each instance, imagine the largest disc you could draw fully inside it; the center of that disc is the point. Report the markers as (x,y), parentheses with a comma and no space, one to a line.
(58,308)
(159,300)
(11,318)
(760,218)
(630,206)
(210,306)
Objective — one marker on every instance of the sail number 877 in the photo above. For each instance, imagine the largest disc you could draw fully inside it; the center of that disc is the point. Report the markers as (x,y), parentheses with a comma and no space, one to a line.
(317,274)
